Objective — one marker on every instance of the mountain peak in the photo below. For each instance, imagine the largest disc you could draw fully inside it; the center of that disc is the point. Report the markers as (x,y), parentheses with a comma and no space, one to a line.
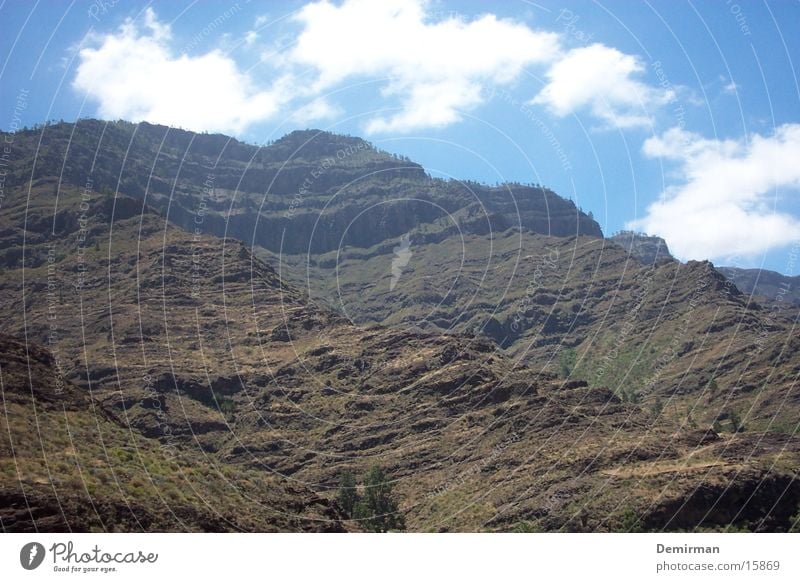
(646,248)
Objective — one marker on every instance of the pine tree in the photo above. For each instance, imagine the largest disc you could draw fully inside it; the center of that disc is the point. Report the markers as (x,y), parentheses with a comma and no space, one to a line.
(348,495)
(377,509)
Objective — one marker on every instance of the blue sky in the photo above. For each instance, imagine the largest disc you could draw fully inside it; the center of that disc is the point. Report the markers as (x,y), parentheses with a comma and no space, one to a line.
(676,118)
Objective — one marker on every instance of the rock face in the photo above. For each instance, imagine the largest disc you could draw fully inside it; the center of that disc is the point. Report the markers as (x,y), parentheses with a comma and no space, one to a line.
(663,332)
(648,249)
(180,382)
(767,286)
(308,191)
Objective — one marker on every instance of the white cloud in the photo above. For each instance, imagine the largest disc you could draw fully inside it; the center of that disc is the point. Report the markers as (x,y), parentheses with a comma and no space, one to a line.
(602,80)
(434,104)
(317,110)
(436,69)
(429,68)
(250,37)
(724,206)
(132,74)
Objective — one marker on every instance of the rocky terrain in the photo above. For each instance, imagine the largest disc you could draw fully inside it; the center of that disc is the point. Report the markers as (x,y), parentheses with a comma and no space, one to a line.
(70,464)
(204,335)
(766,286)
(309,191)
(583,308)
(648,249)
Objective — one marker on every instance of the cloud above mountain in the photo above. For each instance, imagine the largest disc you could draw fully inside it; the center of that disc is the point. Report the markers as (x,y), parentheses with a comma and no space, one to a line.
(727,199)
(133,74)
(435,69)
(603,81)
(427,70)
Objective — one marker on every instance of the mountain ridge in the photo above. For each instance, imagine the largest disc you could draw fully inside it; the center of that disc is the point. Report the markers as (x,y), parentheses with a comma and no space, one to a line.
(345,178)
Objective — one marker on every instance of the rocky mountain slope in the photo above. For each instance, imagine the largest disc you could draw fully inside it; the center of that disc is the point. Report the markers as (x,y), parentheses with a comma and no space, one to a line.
(309,191)
(768,287)
(584,308)
(648,249)
(236,390)
(71,463)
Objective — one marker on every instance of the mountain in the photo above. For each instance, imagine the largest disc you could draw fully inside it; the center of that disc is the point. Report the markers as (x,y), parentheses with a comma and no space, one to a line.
(308,191)
(174,346)
(668,332)
(648,249)
(768,287)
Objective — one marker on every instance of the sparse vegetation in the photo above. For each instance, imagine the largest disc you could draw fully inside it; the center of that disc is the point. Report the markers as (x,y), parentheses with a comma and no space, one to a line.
(376,508)
(736,422)
(712,388)
(348,494)
(227,406)
(657,407)
(566,361)
(630,522)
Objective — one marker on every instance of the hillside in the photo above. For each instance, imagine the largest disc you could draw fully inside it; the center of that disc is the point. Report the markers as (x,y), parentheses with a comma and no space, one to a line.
(308,191)
(665,333)
(473,380)
(766,286)
(87,471)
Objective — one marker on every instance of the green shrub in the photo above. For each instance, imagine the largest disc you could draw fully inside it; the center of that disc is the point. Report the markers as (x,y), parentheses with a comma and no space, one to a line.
(376,509)
(348,494)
